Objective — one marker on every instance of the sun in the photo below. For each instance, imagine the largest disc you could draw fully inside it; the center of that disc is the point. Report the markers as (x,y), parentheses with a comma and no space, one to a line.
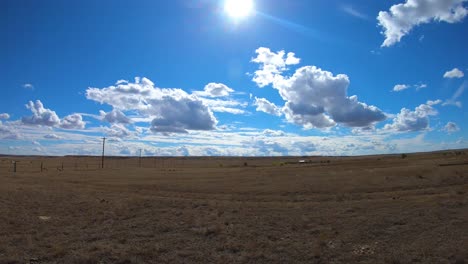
(238,8)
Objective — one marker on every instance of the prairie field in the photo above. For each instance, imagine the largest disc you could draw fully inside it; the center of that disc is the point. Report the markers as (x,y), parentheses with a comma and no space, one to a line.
(372,209)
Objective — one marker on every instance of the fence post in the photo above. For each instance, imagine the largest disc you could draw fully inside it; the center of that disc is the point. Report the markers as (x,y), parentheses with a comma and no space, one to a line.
(14,168)
(41,167)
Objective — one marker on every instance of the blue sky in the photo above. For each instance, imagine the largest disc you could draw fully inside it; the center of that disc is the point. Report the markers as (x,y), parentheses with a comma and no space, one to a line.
(185,77)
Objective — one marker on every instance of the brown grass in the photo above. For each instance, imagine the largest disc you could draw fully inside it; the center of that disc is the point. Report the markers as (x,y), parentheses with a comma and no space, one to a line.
(376,209)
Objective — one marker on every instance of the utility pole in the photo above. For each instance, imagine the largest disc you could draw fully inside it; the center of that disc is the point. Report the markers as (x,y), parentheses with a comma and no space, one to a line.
(139,160)
(103,144)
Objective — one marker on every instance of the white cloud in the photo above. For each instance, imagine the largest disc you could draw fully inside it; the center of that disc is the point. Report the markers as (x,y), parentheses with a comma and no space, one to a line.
(454,73)
(215,90)
(45,117)
(420,86)
(115,116)
(4,116)
(121,82)
(267,147)
(305,148)
(222,109)
(451,127)
(355,13)
(117,130)
(455,96)
(314,97)
(38,149)
(317,98)
(8,132)
(180,115)
(401,18)
(271,64)
(172,110)
(417,120)
(363,130)
(273,133)
(52,136)
(227,106)
(28,86)
(41,116)
(73,121)
(239,142)
(400,87)
(263,105)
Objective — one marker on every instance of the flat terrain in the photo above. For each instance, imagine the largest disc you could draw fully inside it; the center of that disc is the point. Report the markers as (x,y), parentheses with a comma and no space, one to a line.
(374,209)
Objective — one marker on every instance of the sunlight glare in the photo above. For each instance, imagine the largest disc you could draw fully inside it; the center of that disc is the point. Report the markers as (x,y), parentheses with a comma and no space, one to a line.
(238,8)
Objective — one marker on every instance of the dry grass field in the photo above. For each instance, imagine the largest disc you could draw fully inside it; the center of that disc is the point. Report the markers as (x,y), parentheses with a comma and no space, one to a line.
(373,209)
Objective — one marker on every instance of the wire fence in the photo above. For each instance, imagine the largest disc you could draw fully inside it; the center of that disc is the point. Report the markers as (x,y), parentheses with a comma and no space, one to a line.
(47,164)
(40,164)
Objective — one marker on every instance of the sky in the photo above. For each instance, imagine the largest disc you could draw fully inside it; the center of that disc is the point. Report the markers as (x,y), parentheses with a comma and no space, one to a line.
(212,77)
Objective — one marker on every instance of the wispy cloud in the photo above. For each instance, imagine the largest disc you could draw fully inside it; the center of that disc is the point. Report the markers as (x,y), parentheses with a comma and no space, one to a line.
(458,93)
(353,12)
(401,87)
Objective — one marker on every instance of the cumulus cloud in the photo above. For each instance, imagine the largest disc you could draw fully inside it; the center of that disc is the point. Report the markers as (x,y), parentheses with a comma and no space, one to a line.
(172,110)
(41,115)
(263,105)
(451,127)
(4,116)
(400,87)
(417,120)
(73,121)
(115,116)
(454,73)
(271,64)
(215,90)
(402,18)
(315,98)
(180,115)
